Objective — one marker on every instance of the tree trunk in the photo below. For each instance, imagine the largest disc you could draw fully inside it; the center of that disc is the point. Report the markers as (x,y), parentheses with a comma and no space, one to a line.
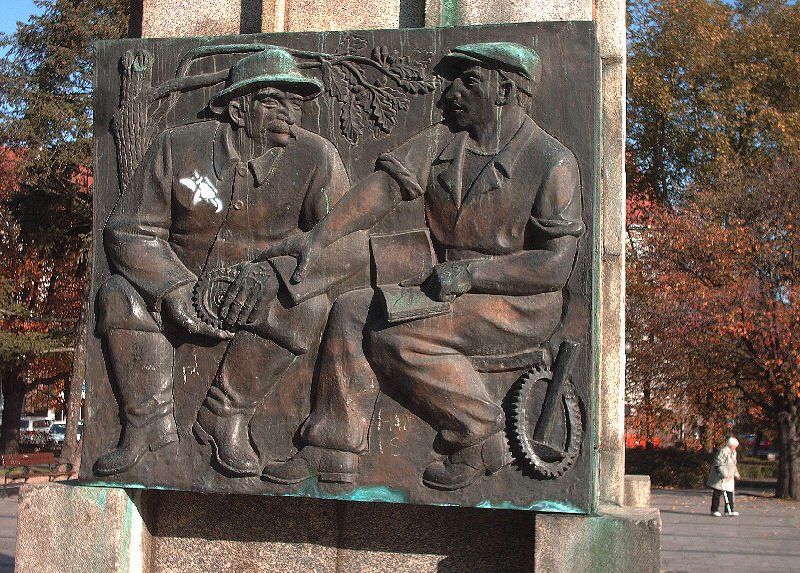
(70,450)
(13,397)
(788,422)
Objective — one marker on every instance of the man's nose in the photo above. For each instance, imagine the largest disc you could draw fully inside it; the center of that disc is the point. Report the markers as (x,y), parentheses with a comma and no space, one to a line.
(453,91)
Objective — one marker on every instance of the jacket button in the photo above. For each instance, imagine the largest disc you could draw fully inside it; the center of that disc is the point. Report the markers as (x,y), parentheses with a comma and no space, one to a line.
(242,171)
(238,204)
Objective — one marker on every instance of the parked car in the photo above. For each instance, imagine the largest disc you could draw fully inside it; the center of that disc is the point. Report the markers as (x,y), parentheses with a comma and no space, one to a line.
(58,433)
(34,431)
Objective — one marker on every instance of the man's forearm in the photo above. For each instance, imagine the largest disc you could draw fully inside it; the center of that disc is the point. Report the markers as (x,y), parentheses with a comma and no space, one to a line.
(525,273)
(360,208)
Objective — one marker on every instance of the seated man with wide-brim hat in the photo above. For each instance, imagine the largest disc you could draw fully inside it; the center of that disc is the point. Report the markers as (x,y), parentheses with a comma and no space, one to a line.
(205,200)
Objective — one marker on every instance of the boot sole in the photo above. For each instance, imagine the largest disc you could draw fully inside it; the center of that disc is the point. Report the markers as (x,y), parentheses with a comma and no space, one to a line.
(208,439)
(155,446)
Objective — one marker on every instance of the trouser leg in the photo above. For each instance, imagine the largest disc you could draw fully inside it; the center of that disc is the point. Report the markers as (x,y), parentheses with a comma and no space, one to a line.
(140,359)
(729,497)
(346,387)
(337,429)
(250,367)
(438,383)
(715,500)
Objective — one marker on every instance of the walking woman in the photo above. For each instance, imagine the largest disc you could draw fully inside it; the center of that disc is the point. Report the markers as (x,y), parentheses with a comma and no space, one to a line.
(721,478)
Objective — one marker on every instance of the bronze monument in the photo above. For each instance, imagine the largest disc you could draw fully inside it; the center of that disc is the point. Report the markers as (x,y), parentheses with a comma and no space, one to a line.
(353,265)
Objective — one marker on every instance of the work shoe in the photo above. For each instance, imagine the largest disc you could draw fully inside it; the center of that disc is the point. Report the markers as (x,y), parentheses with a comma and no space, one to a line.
(229,437)
(329,466)
(716,514)
(463,467)
(134,443)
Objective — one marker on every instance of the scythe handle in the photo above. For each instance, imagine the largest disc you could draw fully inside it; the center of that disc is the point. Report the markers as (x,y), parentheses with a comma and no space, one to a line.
(565,360)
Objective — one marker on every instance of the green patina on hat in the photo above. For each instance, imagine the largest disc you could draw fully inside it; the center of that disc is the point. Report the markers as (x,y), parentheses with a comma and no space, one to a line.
(506,56)
(270,67)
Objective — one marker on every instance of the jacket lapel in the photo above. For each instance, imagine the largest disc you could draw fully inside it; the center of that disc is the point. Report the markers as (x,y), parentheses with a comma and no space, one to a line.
(452,160)
(499,169)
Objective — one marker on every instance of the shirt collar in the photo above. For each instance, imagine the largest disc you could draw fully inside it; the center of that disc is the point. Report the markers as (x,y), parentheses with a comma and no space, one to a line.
(224,154)
(505,158)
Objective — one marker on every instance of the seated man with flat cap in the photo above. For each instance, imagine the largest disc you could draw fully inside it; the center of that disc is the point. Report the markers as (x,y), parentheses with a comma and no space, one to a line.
(503,209)
(205,200)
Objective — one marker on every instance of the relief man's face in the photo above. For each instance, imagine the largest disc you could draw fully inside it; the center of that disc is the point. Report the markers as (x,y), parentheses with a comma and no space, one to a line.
(470,99)
(269,116)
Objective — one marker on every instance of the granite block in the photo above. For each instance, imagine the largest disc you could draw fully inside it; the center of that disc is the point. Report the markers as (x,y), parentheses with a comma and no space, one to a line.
(637,490)
(241,534)
(411,539)
(63,528)
(448,13)
(181,18)
(615,541)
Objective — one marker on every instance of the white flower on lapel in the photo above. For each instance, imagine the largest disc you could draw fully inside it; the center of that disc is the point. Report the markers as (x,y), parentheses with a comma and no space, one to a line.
(204,191)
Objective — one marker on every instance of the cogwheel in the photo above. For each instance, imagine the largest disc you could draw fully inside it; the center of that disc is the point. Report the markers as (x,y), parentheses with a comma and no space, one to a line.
(208,292)
(545,462)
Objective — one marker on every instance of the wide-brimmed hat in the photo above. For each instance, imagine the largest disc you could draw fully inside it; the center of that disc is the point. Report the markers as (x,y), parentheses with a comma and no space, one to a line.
(270,67)
(506,56)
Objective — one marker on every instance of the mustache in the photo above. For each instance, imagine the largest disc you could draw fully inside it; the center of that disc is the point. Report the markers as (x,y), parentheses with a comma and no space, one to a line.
(279,126)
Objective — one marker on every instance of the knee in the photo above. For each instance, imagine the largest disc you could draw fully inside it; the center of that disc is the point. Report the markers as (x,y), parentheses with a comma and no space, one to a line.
(388,349)
(348,315)
(121,307)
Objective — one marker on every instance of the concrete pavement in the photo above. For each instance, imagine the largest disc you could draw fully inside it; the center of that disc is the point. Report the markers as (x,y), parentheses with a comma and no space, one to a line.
(8,530)
(765,537)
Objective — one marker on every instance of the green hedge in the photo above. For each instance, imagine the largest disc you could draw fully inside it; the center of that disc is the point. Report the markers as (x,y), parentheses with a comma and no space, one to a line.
(669,467)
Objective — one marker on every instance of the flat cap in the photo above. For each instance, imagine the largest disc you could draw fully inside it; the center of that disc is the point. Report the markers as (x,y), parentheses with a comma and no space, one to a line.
(506,56)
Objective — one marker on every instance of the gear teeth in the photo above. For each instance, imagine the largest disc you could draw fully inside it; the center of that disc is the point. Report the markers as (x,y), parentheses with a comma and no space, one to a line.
(521,426)
(203,293)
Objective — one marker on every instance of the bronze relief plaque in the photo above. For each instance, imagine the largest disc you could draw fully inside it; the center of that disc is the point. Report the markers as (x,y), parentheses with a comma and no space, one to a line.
(353,265)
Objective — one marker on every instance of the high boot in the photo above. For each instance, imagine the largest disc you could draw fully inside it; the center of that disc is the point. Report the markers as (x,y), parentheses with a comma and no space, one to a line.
(463,467)
(141,363)
(226,427)
(250,367)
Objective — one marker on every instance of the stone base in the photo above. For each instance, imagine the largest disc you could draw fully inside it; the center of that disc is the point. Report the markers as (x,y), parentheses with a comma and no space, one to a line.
(637,490)
(70,528)
(64,528)
(616,540)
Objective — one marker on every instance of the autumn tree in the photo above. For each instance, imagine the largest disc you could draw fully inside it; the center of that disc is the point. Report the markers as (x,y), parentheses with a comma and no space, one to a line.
(45,128)
(714,111)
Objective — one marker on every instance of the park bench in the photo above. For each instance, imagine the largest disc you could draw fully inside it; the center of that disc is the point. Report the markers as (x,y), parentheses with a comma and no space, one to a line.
(20,467)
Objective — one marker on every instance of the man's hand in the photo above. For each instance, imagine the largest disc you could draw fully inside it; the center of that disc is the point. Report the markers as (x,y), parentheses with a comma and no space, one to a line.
(305,247)
(177,307)
(255,286)
(448,280)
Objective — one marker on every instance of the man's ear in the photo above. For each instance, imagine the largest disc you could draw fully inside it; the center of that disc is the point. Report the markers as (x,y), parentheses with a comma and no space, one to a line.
(505,92)
(236,111)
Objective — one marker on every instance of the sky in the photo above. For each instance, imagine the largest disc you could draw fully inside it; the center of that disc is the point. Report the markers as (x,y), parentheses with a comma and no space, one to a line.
(12,11)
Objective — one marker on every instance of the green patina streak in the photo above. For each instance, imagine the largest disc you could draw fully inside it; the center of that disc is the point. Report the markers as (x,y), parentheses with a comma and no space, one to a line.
(449,13)
(98,497)
(547,506)
(374,493)
(126,537)
(602,554)
(327,200)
